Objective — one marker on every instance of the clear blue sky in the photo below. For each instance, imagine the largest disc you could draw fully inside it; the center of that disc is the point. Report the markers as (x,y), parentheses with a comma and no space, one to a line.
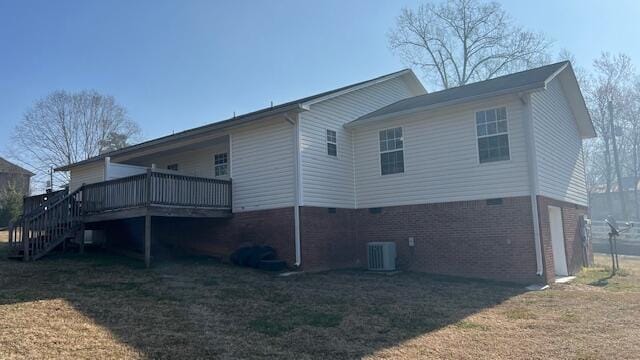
(180,64)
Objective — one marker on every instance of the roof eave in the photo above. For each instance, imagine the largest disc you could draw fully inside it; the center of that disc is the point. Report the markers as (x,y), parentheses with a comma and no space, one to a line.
(221,125)
(578,104)
(517,90)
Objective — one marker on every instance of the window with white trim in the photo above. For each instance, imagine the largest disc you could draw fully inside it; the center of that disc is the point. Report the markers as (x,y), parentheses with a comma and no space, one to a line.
(391,151)
(221,164)
(332,143)
(493,135)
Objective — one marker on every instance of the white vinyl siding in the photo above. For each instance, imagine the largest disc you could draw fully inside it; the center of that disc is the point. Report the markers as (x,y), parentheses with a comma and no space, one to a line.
(262,162)
(558,147)
(86,174)
(441,159)
(328,181)
(197,162)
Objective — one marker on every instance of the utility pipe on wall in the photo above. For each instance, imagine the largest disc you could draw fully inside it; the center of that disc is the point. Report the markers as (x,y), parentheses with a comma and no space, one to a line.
(298,184)
(533,179)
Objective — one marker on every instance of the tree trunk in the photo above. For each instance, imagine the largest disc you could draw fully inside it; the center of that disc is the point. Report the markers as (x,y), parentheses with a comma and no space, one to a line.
(635,174)
(616,161)
(608,173)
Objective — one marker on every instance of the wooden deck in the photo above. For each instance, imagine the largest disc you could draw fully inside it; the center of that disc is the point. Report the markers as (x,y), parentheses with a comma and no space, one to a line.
(50,222)
(156,194)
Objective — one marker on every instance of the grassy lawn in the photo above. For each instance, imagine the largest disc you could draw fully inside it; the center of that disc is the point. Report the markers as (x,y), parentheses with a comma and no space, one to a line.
(103,306)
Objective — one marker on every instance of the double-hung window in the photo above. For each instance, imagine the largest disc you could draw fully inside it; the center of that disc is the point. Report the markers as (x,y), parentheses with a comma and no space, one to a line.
(332,143)
(493,135)
(221,164)
(391,151)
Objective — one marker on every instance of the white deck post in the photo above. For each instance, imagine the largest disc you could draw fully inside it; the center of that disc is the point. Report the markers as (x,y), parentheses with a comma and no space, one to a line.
(107,163)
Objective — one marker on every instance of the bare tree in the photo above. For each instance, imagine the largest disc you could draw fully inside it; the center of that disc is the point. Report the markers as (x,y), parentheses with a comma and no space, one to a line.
(461,41)
(611,84)
(64,128)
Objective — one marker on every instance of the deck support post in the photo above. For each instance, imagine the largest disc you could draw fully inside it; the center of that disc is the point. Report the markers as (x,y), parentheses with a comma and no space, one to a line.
(147,240)
(81,238)
(25,239)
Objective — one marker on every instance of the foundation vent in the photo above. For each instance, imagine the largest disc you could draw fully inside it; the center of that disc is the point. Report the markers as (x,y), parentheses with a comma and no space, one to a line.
(381,256)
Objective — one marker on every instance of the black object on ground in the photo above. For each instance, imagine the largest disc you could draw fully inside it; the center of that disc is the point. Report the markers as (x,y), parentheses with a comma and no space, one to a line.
(252,256)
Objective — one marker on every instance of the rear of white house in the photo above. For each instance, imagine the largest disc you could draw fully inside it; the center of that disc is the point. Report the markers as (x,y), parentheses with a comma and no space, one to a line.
(465,181)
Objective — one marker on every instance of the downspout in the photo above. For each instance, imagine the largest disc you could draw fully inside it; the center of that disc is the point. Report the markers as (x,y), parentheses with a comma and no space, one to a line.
(532,163)
(298,185)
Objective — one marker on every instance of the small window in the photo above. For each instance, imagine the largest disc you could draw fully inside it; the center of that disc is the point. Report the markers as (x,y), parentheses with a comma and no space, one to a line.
(173,167)
(493,135)
(391,151)
(221,164)
(332,144)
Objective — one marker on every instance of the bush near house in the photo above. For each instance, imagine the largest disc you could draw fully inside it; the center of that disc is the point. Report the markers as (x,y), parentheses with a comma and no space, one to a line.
(10,205)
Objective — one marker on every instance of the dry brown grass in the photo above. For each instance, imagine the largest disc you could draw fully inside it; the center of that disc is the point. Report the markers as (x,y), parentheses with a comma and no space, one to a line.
(99,306)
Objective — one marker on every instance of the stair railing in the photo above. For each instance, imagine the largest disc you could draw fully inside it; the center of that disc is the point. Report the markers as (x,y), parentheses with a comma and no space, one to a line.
(39,232)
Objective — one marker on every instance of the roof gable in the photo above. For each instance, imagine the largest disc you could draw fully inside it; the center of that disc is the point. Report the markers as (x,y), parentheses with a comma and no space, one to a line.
(520,82)
(8,167)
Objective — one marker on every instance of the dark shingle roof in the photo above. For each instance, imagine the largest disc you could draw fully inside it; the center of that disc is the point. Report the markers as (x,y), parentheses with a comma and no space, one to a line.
(519,81)
(11,168)
(232,121)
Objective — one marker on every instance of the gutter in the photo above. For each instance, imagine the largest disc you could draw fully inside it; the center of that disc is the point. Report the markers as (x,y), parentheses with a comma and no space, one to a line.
(533,179)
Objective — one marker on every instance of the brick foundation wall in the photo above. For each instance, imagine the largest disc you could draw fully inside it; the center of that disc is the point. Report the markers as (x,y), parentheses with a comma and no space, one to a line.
(573,242)
(468,238)
(328,239)
(273,227)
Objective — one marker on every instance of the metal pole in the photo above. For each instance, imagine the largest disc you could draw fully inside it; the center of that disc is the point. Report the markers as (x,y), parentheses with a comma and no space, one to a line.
(613,260)
(615,250)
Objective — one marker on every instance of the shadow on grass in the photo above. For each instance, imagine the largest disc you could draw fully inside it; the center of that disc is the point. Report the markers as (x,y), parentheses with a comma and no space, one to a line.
(199,308)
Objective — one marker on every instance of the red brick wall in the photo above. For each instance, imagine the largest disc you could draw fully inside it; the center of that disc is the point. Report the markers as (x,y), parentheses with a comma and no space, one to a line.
(573,241)
(328,240)
(468,238)
(273,227)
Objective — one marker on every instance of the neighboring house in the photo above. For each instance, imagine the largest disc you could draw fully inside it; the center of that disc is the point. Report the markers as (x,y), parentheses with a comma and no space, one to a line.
(484,180)
(14,175)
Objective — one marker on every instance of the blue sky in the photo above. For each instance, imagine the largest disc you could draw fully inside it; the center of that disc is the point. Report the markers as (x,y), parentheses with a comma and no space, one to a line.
(180,64)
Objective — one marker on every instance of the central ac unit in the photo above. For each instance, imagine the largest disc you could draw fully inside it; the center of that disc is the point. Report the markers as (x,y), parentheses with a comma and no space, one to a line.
(381,256)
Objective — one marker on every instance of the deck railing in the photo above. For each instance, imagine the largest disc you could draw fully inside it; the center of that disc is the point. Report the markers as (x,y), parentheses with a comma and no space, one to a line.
(30,204)
(37,232)
(157,188)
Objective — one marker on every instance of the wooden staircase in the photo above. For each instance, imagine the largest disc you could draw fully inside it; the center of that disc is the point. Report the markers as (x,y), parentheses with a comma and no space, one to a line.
(35,234)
